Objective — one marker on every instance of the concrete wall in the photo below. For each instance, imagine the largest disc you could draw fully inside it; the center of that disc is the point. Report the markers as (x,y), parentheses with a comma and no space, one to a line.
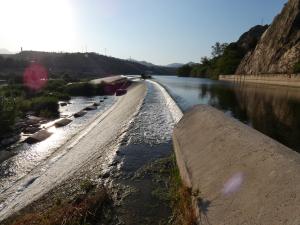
(275,79)
(238,175)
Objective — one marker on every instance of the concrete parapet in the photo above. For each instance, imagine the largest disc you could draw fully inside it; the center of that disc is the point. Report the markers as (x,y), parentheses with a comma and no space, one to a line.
(237,174)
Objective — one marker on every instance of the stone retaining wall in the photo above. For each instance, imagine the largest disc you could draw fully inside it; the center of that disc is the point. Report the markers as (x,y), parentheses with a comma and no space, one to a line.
(275,79)
(237,174)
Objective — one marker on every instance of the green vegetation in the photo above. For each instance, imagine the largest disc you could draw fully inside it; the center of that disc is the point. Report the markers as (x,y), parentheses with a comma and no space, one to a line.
(170,190)
(184,70)
(16,100)
(45,106)
(85,89)
(296,68)
(225,60)
(76,65)
(180,199)
(8,111)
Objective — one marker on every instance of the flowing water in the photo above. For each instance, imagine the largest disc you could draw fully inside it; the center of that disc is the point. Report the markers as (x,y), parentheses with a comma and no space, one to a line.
(29,157)
(272,110)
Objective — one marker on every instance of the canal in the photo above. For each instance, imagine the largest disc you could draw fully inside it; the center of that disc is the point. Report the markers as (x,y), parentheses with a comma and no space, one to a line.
(272,110)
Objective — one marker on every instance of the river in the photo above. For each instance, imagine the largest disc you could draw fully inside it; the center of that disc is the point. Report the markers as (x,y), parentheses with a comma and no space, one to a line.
(42,155)
(272,110)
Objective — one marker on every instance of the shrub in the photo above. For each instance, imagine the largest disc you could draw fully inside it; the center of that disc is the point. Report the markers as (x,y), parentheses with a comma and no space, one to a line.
(85,89)
(55,85)
(8,113)
(61,96)
(81,89)
(45,106)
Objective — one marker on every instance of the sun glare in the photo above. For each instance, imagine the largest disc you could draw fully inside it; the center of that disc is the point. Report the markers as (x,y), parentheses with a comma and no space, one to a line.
(38,24)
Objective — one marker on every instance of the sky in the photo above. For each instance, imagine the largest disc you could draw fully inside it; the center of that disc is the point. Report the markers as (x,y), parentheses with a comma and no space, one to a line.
(157,31)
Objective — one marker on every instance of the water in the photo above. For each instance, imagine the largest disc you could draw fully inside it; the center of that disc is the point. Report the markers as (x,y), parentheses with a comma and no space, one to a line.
(28,157)
(272,110)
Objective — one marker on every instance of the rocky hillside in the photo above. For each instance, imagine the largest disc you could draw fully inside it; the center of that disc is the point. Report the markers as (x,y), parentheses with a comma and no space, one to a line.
(77,64)
(248,40)
(279,47)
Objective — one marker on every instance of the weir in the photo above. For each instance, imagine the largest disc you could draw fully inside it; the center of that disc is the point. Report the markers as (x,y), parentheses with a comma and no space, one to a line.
(237,174)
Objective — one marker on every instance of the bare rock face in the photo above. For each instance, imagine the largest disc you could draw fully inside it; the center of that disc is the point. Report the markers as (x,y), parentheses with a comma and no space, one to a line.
(279,47)
(248,40)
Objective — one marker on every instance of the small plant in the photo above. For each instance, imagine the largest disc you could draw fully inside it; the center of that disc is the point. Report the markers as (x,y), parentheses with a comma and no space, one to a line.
(87,186)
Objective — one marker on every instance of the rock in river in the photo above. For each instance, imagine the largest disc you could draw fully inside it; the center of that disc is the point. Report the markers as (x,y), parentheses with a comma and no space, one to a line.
(90,108)
(62,122)
(38,137)
(80,113)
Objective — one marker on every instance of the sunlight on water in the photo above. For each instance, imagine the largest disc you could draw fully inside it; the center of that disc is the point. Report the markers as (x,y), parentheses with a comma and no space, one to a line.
(30,156)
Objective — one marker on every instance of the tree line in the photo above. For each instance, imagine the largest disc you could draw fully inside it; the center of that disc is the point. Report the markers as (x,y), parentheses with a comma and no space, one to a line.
(225,59)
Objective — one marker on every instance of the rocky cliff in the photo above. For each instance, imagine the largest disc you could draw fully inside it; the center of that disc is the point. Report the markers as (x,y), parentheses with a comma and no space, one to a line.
(279,47)
(248,40)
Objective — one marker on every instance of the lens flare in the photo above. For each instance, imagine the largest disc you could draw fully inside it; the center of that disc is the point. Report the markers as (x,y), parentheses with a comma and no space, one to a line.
(35,77)
(233,184)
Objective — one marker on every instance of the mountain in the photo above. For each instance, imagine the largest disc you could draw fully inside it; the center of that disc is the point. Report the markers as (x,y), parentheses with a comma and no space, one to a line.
(249,39)
(78,64)
(5,51)
(278,50)
(175,65)
(145,63)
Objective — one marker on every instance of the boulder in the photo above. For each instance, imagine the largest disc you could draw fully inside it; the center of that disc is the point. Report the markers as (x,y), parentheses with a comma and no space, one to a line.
(62,122)
(4,155)
(31,129)
(38,137)
(80,114)
(63,104)
(90,108)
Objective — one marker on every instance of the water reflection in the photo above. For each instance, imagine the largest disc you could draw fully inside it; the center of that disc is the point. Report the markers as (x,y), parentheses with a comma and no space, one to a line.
(273,110)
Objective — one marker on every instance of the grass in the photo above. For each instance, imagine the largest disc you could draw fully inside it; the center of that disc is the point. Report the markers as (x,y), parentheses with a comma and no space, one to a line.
(170,190)
(181,199)
(86,209)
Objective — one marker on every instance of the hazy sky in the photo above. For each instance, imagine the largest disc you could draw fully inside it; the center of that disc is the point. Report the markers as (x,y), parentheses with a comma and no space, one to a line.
(159,31)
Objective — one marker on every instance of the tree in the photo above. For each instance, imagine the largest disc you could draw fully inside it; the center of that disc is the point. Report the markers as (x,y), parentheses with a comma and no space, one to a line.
(184,71)
(218,49)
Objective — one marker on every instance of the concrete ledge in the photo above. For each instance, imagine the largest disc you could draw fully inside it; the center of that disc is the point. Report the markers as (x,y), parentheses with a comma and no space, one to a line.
(292,80)
(241,175)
